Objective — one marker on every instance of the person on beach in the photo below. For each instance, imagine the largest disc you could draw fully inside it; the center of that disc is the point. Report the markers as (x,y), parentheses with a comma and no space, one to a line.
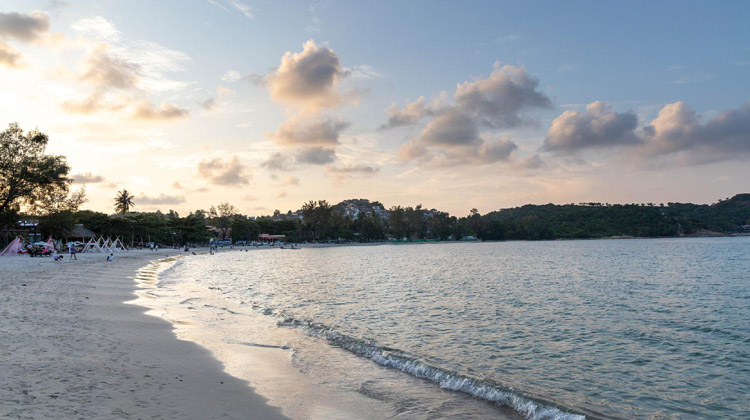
(73,252)
(111,257)
(59,257)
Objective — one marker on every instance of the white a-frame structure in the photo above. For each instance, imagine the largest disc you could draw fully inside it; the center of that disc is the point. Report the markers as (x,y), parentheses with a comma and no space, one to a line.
(104,245)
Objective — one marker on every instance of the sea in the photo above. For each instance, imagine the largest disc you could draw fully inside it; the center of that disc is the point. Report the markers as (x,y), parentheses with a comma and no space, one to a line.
(563,330)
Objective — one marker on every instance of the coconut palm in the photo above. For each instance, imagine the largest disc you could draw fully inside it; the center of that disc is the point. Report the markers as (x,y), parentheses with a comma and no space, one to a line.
(123,201)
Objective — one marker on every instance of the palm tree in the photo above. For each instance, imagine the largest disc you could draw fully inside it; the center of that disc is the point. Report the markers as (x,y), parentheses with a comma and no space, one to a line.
(123,201)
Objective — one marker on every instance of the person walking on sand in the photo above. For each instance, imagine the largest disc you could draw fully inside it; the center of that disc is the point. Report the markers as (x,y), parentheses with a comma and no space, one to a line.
(73,252)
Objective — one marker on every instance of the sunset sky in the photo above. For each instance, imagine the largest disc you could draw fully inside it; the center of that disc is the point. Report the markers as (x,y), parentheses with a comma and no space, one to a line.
(453,105)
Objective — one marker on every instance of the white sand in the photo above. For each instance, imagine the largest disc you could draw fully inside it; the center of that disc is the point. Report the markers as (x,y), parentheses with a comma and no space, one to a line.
(70,348)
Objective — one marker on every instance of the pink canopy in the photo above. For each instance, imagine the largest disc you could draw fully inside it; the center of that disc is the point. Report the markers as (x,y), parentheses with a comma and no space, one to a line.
(12,249)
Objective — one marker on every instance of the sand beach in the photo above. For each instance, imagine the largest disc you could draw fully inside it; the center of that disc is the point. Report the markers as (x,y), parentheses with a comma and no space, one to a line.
(72,348)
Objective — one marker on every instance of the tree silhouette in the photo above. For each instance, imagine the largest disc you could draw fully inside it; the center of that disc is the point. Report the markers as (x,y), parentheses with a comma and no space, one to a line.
(123,201)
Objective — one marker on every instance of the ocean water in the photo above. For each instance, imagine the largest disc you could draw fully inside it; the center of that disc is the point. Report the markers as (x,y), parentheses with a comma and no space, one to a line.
(607,329)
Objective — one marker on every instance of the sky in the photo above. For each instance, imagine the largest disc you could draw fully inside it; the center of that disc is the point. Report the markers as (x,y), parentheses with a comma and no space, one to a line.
(452,105)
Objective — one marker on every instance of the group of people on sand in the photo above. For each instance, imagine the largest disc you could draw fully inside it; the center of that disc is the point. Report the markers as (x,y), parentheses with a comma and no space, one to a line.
(35,251)
(73,256)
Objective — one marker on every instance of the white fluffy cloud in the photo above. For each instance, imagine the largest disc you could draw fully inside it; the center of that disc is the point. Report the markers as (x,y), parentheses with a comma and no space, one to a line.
(232,172)
(453,138)
(453,135)
(678,130)
(309,79)
(676,134)
(97,27)
(499,100)
(310,131)
(598,127)
(123,76)
(23,27)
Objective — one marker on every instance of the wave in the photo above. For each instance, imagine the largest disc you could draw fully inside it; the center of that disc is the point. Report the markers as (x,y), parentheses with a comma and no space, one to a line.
(491,391)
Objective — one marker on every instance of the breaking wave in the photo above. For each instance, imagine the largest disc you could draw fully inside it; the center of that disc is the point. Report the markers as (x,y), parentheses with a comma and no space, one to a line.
(488,390)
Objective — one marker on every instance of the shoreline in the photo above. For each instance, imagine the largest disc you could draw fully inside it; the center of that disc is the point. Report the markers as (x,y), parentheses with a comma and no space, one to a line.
(74,348)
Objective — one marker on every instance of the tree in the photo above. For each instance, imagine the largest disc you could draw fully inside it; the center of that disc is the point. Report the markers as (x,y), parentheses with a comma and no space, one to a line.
(397,222)
(123,201)
(221,216)
(58,201)
(56,212)
(26,173)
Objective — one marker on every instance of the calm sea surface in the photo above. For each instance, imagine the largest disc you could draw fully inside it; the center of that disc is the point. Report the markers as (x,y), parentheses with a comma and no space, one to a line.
(611,329)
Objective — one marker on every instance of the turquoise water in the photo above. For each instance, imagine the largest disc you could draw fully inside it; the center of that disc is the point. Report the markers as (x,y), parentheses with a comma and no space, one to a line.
(612,329)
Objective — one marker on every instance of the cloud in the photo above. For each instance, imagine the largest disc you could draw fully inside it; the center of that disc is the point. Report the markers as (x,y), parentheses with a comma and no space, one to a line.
(209,104)
(677,130)
(453,128)
(9,56)
(410,114)
(255,79)
(490,152)
(302,156)
(236,4)
(315,155)
(106,71)
(232,172)
(453,139)
(248,197)
(309,79)
(231,76)
(353,169)
(95,102)
(531,162)
(212,103)
(243,8)
(310,131)
(279,162)
(87,177)
(363,72)
(123,77)
(290,181)
(176,185)
(344,173)
(160,199)
(97,27)
(495,102)
(153,61)
(23,27)
(166,111)
(598,127)
(453,136)
(498,100)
